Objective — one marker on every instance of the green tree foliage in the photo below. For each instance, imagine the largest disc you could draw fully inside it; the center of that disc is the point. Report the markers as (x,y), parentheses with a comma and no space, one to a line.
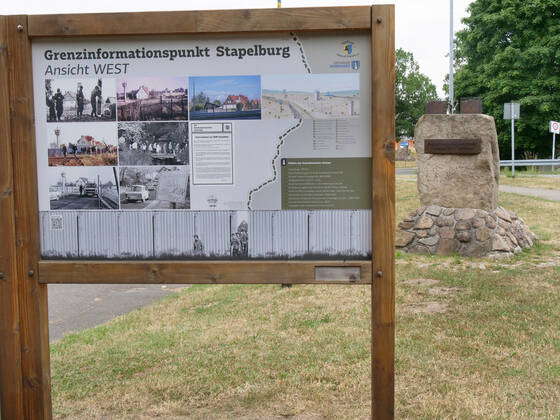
(198,102)
(510,51)
(413,90)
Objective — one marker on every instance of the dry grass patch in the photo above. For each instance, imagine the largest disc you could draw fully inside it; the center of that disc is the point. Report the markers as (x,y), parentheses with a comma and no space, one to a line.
(532,181)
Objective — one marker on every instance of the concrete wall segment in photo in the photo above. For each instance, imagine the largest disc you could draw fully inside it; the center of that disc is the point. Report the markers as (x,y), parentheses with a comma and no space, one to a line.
(170,234)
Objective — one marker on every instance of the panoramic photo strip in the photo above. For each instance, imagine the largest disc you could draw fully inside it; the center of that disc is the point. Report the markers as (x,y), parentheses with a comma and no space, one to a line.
(311,96)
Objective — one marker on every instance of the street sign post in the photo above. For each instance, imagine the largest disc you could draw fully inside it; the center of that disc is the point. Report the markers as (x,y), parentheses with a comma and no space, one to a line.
(512,111)
(554,129)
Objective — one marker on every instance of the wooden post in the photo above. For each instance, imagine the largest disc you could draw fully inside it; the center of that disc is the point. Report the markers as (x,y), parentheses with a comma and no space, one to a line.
(383,211)
(11,385)
(32,296)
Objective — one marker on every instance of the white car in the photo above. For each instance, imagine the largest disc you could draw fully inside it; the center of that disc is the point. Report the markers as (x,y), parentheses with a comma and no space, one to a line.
(137,193)
(54,194)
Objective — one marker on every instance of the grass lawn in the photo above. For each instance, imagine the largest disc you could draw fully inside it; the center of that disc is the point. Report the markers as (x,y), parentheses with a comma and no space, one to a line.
(475,339)
(530,180)
(405,164)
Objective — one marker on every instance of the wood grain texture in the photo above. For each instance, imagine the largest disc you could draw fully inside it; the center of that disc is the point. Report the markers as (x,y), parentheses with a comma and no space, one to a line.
(32,295)
(196,22)
(11,384)
(383,214)
(194,272)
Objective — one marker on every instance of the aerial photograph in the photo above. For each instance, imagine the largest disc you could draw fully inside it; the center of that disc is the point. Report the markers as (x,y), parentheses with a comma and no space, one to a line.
(311,96)
(225,97)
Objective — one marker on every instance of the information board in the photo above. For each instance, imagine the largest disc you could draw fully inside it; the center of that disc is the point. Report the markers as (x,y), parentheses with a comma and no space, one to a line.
(140,148)
(252,147)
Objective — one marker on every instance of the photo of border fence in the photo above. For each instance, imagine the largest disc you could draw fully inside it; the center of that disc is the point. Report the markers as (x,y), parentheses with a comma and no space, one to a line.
(152,99)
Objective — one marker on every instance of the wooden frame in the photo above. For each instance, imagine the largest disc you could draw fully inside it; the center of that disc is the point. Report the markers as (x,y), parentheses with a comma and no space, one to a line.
(24,346)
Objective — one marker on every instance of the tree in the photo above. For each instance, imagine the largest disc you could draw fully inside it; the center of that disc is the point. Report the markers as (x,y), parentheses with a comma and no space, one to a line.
(413,90)
(510,51)
(199,101)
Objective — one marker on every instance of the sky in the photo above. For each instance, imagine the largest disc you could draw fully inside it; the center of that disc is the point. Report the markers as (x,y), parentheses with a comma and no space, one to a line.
(422,26)
(219,87)
(73,173)
(88,83)
(312,82)
(100,131)
(152,83)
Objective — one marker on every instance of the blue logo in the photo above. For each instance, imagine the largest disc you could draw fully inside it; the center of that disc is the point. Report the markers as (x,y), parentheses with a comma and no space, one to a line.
(347,50)
(355,64)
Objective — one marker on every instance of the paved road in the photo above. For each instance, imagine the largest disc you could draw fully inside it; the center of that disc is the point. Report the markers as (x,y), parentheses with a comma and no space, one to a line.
(406,171)
(74,201)
(76,307)
(553,195)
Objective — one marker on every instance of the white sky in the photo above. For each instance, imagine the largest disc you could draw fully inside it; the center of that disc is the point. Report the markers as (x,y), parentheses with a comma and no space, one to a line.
(422,25)
(73,173)
(100,131)
(312,82)
(152,83)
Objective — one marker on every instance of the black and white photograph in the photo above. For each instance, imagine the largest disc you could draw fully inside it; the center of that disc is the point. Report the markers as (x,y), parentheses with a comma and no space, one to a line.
(87,99)
(83,188)
(152,99)
(82,144)
(153,143)
(154,187)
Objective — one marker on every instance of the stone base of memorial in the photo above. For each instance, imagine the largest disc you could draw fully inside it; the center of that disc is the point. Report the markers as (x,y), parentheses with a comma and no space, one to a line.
(463,231)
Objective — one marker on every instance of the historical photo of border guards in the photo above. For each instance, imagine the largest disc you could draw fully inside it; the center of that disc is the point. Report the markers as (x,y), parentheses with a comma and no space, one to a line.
(152,99)
(225,97)
(153,143)
(71,100)
(83,188)
(82,144)
(311,96)
(154,187)
(239,240)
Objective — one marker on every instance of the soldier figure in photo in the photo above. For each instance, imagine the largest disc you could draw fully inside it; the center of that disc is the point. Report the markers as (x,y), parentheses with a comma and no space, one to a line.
(50,104)
(58,99)
(198,246)
(94,98)
(235,245)
(244,238)
(80,101)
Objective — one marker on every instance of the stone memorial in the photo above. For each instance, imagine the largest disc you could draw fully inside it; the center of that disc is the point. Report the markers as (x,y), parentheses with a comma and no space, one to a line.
(458,175)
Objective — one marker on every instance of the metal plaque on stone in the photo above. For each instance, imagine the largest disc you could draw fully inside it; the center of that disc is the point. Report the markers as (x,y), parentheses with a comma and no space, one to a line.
(452,146)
